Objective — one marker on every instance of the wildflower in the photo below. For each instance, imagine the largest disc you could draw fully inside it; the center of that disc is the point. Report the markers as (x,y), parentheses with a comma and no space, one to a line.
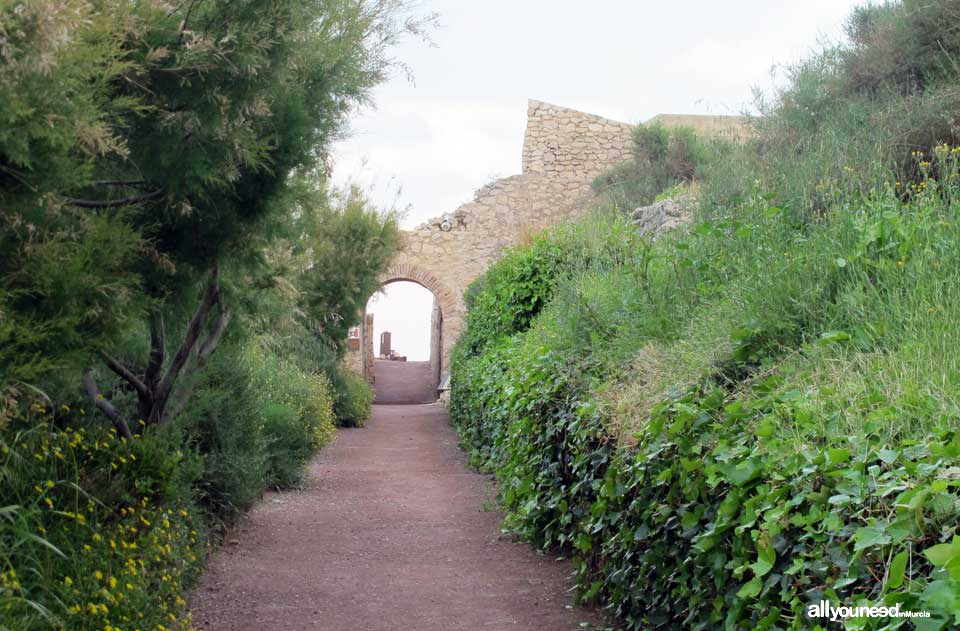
(97,574)
(67,580)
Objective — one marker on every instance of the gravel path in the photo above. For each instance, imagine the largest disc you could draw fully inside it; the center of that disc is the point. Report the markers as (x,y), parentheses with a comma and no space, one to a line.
(390,533)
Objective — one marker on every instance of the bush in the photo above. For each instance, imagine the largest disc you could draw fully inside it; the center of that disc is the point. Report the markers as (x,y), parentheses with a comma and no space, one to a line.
(258,419)
(296,412)
(354,396)
(223,420)
(662,158)
(728,425)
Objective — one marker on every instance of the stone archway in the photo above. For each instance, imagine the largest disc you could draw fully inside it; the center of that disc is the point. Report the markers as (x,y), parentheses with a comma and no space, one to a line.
(563,150)
(446,320)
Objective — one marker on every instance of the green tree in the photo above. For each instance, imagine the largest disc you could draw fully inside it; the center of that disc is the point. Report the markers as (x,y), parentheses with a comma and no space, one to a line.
(190,121)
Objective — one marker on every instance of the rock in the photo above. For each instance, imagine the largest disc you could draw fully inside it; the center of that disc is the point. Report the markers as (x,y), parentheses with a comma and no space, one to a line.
(663,216)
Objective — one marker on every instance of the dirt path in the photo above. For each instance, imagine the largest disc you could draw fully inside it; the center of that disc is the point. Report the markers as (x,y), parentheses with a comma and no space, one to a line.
(389,534)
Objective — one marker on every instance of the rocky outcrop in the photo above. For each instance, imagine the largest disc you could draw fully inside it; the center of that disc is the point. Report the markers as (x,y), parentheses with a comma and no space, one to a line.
(665,215)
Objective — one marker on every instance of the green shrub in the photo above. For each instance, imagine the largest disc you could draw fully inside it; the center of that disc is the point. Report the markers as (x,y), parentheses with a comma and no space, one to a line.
(662,159)
(257,419)
(354,396)
(222,418)
(733,423)
(296,412)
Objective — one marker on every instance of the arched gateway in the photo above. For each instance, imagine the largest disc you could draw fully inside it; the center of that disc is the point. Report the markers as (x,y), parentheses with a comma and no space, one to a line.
(563,151)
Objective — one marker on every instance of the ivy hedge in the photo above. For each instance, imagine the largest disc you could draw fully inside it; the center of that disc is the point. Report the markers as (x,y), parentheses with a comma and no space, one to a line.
(733,500)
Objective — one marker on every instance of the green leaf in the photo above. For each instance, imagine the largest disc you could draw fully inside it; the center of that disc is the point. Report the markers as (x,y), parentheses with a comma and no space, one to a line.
(834,337)
(766,557)
(869,537)
(946,555)
(838,455)
(943,596)
(740,473)
(751,589)
(897,568)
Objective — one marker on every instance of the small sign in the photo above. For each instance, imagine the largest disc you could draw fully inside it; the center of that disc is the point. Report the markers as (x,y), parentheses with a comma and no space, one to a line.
(353,333)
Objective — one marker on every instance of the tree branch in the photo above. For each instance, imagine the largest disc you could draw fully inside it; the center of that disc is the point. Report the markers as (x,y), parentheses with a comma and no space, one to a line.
(186,20)
(157,350)
(113,203)
(213,337)
(211,297)
(119,423)
(125,374)
(197,361)
(132,183)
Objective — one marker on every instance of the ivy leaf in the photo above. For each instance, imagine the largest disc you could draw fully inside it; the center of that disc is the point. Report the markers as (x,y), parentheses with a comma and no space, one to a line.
(741,473)
(897,568)
(766,557)
(946,555)
(868,537)
(943,596)
(751,589)
(838,455)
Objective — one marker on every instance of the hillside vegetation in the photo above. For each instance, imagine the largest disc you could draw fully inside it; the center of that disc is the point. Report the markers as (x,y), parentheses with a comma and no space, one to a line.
(741,419)
(176,282)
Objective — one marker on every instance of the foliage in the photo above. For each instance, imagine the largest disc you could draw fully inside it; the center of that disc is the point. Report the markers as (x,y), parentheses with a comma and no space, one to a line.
(95,533)
(514,290)
(162,189)
(662,159)
(354,396)
(851,115)
(258,419)
(349,251)
(297,415)
(124,214)
(732,423)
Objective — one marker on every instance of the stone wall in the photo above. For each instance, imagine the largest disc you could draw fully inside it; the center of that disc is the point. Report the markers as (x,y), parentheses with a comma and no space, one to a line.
(570,145)
(733,127)
(563,151)
(436,342)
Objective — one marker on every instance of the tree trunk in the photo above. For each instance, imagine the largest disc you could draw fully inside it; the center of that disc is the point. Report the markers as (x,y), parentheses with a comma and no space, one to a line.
(154,389)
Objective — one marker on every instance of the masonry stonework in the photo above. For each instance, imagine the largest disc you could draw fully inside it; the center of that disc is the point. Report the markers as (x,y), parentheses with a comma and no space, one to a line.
(563,151)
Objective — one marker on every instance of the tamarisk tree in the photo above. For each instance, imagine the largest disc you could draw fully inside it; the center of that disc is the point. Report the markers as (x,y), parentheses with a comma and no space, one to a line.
(192,117)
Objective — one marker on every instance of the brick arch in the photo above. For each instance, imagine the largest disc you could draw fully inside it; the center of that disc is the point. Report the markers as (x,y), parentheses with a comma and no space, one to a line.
(449,301)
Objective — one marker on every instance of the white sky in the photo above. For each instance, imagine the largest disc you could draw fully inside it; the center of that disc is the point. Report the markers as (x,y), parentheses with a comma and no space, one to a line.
(404,309)
(429,144)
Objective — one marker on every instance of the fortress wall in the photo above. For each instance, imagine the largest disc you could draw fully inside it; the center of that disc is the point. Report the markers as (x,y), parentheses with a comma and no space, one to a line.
(570,145)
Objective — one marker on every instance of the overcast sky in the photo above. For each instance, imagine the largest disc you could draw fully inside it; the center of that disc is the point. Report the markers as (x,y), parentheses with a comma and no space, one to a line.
(428,144)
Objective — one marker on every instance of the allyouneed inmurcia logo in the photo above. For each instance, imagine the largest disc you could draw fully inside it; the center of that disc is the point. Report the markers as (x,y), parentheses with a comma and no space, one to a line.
(824,609)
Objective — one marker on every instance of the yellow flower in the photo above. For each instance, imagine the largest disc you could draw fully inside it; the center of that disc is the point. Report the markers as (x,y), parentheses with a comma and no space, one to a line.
(68,580)
(113,582)
(97,574)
